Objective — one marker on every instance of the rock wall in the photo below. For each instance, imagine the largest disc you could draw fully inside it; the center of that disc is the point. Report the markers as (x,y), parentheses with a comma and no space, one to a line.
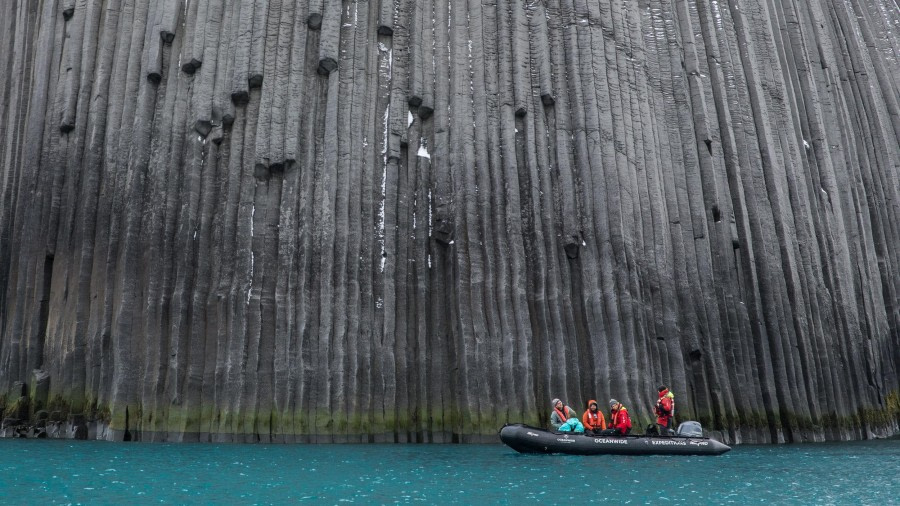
(415,220)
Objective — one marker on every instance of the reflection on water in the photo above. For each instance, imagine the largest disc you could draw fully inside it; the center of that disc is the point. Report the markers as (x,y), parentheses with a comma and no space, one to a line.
(90,472)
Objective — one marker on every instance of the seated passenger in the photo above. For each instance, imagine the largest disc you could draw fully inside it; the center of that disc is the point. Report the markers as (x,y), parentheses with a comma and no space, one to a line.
(560,414)
(593,418)
(620,422)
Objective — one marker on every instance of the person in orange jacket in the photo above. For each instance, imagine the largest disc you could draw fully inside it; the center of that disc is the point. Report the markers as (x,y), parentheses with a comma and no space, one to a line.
(593,418)
(665,409)
(620,421)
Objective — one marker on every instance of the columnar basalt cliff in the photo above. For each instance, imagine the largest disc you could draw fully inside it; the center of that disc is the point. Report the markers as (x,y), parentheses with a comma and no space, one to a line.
(415,220)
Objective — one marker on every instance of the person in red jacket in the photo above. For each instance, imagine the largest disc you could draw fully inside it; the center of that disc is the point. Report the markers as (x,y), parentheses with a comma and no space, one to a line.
(593,418)
(620,421)
(665,409)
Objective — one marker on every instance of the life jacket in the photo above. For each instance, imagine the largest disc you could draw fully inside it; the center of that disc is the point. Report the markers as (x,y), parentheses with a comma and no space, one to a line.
(560,414)
(621,420)
(664,404)
(593,419)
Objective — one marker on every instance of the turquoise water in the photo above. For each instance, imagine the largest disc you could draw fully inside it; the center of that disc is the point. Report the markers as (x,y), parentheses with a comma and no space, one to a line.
(44,472)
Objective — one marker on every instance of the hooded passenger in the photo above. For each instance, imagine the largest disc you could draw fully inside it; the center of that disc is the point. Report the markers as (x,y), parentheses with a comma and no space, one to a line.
(593,418)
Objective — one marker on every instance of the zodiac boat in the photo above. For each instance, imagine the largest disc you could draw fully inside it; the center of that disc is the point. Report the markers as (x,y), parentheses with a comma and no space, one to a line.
(688,441)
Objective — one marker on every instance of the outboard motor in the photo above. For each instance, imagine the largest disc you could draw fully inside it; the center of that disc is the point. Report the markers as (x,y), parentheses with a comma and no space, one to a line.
(690,429)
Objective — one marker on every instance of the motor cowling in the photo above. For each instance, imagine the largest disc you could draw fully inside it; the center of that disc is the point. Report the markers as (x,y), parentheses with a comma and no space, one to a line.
(690,429)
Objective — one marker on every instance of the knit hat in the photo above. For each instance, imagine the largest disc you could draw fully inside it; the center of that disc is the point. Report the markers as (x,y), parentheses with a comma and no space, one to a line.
(661,388)
(554,402)
(612,403)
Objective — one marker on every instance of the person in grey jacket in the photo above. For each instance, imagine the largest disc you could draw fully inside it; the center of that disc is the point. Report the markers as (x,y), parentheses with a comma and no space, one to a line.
(560,414)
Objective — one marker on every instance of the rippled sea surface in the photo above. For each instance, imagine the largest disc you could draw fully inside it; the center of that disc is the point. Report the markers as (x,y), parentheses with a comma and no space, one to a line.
(43,472)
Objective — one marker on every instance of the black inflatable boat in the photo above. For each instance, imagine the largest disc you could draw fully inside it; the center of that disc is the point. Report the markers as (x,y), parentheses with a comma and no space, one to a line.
(525,439)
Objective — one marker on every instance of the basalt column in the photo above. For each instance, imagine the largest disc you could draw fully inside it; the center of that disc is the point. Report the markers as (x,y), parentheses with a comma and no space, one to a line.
(416,220)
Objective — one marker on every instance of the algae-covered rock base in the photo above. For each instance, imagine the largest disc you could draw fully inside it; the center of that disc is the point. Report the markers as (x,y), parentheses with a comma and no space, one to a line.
(416,220)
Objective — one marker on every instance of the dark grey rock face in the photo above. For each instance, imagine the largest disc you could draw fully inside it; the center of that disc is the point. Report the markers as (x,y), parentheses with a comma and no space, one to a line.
(420,219)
